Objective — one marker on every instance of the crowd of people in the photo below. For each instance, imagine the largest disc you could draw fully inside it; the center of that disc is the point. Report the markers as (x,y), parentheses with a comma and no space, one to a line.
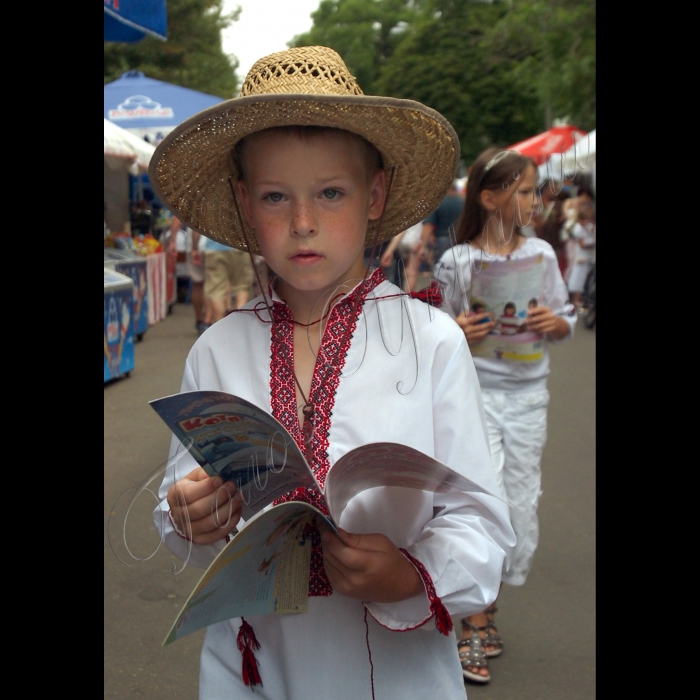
(314,240)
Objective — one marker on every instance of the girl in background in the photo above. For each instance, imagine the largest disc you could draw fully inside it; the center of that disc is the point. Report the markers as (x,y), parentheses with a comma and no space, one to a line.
(502,197)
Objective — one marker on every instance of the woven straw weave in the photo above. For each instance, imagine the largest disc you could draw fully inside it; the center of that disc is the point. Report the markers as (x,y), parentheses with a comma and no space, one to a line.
(303,86)
(313,70)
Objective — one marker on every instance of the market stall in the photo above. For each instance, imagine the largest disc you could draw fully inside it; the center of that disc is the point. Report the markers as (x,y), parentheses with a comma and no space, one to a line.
(158,269)
(155,277)
(133,266)
(118,325)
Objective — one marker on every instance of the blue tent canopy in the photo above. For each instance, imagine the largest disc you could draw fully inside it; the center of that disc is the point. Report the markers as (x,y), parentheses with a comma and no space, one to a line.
(130,21)
(146,105)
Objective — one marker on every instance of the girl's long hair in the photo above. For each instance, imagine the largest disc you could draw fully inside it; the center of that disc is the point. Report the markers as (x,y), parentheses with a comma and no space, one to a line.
(490,171)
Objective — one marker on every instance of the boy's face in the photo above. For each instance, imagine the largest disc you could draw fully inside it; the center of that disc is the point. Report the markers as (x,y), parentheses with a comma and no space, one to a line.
(309,200)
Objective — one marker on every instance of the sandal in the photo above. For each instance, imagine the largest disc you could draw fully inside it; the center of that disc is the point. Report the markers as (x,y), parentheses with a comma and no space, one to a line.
(471,654)
(493,639)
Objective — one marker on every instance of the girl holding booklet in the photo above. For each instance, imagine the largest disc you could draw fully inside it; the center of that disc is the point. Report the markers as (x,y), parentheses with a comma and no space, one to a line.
(501,197)
(305,170)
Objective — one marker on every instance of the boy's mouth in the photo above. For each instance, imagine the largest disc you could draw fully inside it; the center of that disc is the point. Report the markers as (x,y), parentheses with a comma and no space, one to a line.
(306,256)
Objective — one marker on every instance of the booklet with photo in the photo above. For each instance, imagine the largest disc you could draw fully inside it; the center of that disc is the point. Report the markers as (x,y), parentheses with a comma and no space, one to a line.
(264,568)
(507,289)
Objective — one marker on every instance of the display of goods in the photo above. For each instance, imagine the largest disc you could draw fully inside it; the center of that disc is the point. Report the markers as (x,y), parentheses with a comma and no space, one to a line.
(147,244)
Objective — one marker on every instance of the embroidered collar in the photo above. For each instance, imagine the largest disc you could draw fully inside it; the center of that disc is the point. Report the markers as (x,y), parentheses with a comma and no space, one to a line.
(335,344)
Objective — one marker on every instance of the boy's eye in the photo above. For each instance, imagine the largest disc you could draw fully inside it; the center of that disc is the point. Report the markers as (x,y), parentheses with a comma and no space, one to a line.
(331,193)
(274,197)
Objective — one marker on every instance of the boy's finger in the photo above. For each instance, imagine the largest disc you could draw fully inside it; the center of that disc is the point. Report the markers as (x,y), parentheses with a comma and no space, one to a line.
(188,491)
(209,512)
(197,474)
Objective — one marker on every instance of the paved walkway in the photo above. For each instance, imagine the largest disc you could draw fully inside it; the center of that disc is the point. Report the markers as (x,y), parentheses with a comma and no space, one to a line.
(548,625)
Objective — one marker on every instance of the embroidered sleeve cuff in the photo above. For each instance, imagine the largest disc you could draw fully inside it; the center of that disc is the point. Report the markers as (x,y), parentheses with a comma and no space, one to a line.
(176,528)
(414,612)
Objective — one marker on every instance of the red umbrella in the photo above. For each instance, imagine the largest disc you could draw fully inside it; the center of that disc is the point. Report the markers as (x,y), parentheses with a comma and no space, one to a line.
(558,139)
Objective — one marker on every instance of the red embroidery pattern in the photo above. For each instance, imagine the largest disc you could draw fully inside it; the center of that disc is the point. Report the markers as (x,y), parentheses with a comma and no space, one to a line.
(329,365)
(443,621)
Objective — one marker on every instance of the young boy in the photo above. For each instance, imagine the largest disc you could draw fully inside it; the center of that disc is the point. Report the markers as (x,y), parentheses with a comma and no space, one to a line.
(319,172)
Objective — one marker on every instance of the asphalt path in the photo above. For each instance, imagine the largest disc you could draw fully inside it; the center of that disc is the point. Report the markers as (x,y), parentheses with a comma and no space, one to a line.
(548,625)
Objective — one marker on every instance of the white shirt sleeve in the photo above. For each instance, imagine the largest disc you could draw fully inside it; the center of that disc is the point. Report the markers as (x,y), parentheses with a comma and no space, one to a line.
(180,464)
(469,538)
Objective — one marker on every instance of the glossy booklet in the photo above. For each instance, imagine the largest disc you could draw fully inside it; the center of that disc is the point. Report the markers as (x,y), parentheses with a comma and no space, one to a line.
(264,568)
(507,289)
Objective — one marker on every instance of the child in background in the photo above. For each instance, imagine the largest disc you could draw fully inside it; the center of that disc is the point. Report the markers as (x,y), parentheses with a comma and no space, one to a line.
(501,197)
(584,253)
(307,171)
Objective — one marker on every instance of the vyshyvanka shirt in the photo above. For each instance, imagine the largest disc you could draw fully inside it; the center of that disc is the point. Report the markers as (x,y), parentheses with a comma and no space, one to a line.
(390,369)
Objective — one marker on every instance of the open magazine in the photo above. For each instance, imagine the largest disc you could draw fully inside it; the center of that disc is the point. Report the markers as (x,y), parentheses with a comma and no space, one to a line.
(507,289)
(265,566)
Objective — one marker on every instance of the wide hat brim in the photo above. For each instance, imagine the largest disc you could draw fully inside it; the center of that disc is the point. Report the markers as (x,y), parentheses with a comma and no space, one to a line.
(190,169)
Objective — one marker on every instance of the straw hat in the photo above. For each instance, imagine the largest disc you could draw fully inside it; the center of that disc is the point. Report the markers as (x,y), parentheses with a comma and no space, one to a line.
(309,85)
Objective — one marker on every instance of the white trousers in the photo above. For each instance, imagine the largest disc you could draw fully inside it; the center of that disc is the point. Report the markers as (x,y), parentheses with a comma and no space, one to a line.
(517,426)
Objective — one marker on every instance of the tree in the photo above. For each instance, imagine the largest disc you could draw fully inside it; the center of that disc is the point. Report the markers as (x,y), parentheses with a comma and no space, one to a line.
(446,61)
(364,32)
(499,70)
(554,42)
(191,57)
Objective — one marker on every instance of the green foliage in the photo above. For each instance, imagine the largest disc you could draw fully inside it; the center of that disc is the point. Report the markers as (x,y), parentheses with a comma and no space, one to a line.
(191,57)
(447,63)
(553,43)
(499,70)
(364,32)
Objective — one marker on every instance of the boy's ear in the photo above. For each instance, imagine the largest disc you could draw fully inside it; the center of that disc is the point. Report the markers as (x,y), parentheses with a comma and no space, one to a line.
(377,194)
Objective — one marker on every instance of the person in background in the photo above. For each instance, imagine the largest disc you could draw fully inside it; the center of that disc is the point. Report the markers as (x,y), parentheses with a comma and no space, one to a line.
(195,271)
(435,237)
(550,218)
(583,235)
(141,218)
(228,272)
(570,210)
(501,198)
(399,257)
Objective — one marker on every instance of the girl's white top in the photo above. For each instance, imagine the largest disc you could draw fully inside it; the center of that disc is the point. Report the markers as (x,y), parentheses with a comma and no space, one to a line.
(460,263)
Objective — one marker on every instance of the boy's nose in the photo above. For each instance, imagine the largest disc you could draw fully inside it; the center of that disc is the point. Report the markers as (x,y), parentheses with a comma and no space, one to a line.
(303,223)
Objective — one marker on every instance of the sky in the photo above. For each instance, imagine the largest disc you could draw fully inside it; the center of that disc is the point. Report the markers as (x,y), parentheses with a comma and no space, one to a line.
(264,27)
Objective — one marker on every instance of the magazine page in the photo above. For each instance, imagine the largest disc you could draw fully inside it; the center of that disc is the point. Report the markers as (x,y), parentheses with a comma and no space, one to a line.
(390,464)
(506,289)
(240,442)
(263,569)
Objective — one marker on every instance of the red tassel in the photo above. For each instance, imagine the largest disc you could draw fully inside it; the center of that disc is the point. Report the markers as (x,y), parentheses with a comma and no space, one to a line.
(430,295)
(443,621)
(246,643)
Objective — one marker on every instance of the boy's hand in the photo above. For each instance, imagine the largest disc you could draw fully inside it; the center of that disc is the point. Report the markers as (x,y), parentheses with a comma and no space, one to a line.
(372,568)
(474,326)
(542,320)
(210,503)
